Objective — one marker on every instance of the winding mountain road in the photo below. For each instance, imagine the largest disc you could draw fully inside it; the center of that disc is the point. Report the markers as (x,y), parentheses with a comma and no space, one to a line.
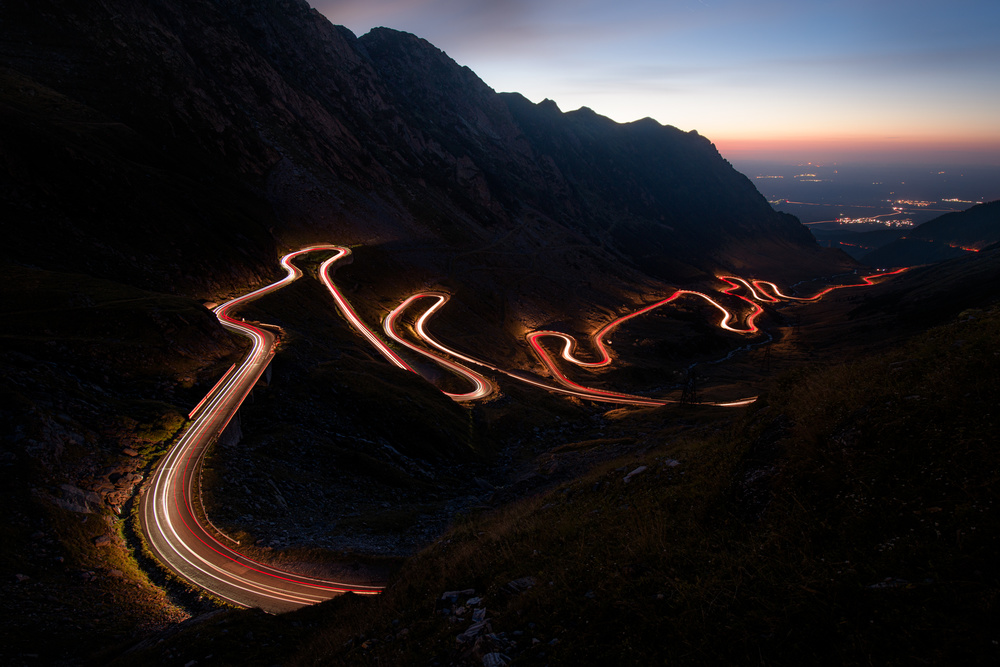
(441,353)
(173,521)
(175,527)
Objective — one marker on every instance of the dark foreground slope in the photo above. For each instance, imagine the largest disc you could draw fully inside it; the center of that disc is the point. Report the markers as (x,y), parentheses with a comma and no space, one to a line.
(945,237)
(846,518)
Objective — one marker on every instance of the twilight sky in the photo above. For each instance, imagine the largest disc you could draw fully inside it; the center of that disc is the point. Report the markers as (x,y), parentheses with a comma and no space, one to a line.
(802,80)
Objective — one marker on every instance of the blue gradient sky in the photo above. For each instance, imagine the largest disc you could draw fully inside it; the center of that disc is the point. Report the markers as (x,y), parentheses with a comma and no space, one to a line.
(808,80)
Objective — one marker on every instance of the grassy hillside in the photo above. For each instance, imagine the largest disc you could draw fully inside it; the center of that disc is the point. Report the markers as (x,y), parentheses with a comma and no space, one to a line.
(846,518)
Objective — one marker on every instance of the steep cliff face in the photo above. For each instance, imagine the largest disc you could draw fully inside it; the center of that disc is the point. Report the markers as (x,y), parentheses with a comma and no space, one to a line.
(369,139)
(653,192)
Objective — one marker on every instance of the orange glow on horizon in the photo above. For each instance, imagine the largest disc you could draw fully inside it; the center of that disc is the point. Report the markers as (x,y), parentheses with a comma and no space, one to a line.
(984,151)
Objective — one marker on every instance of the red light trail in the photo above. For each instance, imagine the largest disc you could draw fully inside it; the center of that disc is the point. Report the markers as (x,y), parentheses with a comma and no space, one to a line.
(866,280)
(481,386)
(183,539)
(179,536)
(569,343)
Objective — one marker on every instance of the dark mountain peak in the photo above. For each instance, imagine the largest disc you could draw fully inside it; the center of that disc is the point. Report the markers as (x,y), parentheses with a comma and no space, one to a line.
(648,122)
(546,105)
(586,113)
(383,135)
(545,109)
(390,39)
(418,67)
(390,45)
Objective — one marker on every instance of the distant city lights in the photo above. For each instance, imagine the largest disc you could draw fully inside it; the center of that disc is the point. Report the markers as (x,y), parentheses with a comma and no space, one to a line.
(901,222)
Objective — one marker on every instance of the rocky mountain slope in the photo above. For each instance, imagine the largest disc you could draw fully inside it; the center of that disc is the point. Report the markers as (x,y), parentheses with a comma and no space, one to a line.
(367,139)
(162,152)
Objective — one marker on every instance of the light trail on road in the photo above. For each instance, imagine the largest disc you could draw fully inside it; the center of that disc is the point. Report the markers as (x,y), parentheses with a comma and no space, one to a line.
(481,386)
(211,392)
(759,296)
(422,333)
(598,338)
(568,387)
(178,535)
(866,280)
(183,539)
(352,317)
(756,288)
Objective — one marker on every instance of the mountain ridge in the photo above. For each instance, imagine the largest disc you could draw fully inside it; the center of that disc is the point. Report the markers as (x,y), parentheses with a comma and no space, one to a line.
(370,137)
